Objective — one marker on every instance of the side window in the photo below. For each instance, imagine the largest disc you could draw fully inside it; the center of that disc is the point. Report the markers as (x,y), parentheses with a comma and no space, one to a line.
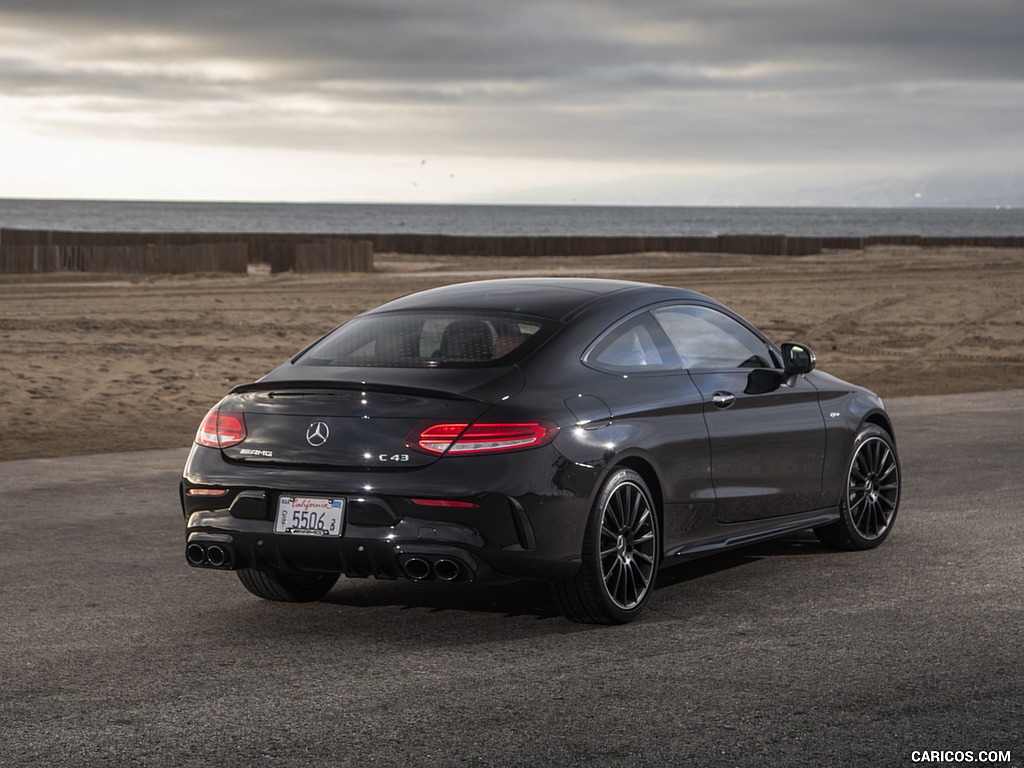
(706,339)
(630,347)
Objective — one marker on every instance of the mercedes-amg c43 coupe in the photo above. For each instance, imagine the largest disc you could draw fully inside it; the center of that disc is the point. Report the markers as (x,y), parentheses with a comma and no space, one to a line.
(582,432)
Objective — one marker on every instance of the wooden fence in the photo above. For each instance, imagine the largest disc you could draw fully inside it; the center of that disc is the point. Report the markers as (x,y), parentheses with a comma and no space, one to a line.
(334,256)
(177,253)
(162,259)
(50,250)
(598,245)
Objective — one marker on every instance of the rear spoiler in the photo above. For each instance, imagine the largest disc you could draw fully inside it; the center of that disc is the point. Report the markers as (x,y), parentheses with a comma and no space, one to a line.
(319,385)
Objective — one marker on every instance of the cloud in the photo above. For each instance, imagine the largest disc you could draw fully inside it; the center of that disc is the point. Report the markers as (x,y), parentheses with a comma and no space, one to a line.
(801,84)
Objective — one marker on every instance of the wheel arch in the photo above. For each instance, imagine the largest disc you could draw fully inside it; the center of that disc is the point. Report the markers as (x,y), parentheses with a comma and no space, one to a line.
(879,419)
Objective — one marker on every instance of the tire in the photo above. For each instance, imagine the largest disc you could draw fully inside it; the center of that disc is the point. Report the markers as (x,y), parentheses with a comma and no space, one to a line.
(871,496)
(287,588)
(620,556)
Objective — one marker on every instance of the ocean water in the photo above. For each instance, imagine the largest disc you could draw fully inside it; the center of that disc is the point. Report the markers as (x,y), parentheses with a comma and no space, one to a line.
(484,220)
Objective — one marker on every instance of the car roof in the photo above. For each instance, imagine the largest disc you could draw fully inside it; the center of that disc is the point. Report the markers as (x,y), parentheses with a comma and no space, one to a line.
(553,297)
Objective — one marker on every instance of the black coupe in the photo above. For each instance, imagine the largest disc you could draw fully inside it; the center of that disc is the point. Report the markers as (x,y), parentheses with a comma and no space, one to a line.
(582,432)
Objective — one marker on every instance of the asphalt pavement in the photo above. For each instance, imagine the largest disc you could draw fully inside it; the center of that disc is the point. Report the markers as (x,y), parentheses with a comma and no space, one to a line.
(113,652)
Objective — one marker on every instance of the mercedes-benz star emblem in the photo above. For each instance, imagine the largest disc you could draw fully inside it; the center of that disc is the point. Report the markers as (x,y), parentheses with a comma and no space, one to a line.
(317,434)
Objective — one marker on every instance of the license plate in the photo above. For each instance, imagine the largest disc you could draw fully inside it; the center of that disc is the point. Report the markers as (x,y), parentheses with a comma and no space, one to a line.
(310,516)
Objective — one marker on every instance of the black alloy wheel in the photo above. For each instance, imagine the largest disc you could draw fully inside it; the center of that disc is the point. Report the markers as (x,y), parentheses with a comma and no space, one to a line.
(621,552)
(871,495)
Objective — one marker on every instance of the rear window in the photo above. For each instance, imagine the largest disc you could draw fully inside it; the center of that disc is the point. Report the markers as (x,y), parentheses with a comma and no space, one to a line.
(427,340)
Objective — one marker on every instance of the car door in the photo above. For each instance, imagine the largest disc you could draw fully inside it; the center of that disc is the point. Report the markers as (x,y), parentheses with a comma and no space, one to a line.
(656,410)
(767,447)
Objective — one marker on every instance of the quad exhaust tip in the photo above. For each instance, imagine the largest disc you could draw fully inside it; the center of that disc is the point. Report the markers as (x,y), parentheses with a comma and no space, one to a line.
(422,568)
(214,555)
(208,556)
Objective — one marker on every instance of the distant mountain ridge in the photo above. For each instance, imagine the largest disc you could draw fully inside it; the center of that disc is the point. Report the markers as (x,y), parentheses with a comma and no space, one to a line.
(935,190)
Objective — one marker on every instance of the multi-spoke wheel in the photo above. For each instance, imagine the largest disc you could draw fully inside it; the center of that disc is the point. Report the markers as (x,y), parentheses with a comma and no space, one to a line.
(621,550)
(871,495)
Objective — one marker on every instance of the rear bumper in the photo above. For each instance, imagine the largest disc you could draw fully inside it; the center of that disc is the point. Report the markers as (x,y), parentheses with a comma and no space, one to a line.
(215,542)
(528,521)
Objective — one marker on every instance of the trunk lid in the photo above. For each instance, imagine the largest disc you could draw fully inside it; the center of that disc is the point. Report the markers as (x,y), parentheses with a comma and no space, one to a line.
(366,420)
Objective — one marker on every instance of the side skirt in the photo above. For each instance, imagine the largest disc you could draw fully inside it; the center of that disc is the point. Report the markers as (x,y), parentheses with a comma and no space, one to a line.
(731,536)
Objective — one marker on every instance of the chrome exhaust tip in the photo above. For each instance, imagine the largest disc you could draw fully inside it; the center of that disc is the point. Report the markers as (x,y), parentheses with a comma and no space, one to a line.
(195,554)
(417,569)
(447,570)
(216,555)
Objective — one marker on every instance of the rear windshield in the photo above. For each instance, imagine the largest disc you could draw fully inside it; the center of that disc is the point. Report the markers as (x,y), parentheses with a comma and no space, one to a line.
(427,340)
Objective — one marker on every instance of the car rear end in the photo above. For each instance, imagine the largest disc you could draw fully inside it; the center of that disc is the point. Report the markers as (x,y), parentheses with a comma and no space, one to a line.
(403,447)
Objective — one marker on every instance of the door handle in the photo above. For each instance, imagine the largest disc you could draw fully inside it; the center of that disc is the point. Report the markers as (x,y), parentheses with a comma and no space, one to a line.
(723,399)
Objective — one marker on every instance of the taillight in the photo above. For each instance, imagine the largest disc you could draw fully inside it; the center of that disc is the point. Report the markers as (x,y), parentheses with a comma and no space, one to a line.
(221,429)
(463,439)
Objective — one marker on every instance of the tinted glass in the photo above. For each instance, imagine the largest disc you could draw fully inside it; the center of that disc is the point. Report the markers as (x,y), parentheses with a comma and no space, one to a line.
(630,347)
(706,339)
(426,340)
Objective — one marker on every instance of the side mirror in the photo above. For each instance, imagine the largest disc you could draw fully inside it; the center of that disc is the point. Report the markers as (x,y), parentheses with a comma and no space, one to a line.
(797,359)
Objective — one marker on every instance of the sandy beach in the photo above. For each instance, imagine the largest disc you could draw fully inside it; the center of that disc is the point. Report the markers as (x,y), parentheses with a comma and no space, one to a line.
(105,363)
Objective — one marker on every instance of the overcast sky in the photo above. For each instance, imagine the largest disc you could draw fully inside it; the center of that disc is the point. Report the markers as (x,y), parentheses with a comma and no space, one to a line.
(639,102)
